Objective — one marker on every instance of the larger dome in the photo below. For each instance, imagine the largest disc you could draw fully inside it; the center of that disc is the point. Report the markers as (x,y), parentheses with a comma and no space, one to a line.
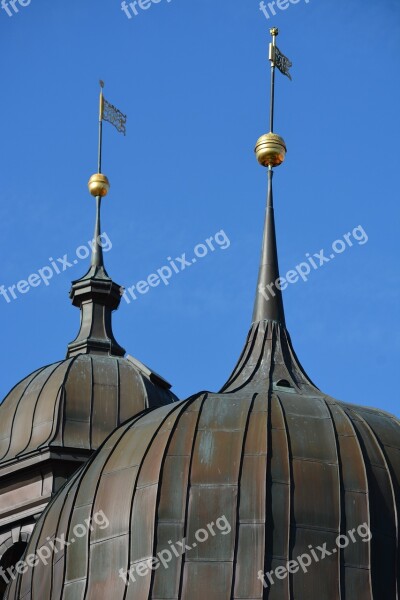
(287,470)
(281,467)
(269,489)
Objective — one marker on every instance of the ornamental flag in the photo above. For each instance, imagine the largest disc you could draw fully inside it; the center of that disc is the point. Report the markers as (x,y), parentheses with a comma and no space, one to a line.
(281,61)
(114,116)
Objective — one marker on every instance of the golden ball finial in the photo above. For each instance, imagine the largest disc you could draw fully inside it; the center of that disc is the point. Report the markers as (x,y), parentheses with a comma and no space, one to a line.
(270,150)
(274,31)
(98,185)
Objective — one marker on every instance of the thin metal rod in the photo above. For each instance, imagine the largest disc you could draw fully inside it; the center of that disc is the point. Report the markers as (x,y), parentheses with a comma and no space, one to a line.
(97,251)
(100,145)
(272,110)
(101,105)
(272,58)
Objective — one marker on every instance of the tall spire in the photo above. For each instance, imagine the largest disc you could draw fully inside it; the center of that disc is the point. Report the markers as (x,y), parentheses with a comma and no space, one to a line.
(268,303)
(268,361)
(270,151)
(96,294)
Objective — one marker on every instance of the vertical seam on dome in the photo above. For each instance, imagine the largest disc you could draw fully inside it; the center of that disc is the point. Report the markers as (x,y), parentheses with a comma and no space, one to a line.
(252,334)
(56,365)
(36,374)
(347,410)
(389,474)
(61,407)
(37,531)
(91,403)
(396,505)
(167,446)
(342,510)
(367,490)
(296,361)
(129,533)
(237,371)
(117,418)
(86,467)
(67,487)
(236,543)
(268,478)
(259,360)
(144,391)
(268,475)
(290,515)
(189,485)
(76,479)
(57,407)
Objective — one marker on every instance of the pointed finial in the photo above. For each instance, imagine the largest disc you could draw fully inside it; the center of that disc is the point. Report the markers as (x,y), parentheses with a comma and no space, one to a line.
(96,294)
(270,151)
(270,148)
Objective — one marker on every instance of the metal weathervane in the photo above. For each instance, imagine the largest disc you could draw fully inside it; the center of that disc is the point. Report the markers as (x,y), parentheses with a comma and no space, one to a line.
(271,148)
(279,60)
(271,151)
(98,183)
(108,112)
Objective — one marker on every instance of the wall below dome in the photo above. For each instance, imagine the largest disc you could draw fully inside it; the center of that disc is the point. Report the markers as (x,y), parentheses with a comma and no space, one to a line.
(26,488)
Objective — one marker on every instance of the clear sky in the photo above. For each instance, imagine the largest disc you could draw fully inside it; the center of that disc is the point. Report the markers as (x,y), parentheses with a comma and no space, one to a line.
(193,78)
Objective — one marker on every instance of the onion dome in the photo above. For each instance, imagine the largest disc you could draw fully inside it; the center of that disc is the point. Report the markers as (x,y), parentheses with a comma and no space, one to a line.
(268,489)
(276,468)
(75,403)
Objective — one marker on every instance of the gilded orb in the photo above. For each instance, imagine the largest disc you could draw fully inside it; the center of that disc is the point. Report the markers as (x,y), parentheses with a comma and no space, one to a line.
(99,185)
(270,150)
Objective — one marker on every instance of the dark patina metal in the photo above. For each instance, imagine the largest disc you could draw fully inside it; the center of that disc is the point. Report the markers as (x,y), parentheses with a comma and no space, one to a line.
(288,466)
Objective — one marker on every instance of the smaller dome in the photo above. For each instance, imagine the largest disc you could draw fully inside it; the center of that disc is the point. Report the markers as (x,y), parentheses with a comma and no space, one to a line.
(75,403)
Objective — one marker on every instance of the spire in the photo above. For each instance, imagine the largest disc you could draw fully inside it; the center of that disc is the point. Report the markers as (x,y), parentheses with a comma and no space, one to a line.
(270,151)
(268,361)
(96,294)
(268,304)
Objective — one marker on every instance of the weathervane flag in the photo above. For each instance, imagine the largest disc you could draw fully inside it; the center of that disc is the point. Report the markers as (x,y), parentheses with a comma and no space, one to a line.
(108,112)
(281,61)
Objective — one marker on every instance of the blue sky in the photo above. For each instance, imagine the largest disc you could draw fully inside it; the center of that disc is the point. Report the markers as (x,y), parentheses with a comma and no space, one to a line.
(193,77)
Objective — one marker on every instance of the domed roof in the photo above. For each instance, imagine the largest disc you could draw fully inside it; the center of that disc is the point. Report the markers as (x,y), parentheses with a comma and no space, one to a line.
(75,404)
(283,467)
(268,489)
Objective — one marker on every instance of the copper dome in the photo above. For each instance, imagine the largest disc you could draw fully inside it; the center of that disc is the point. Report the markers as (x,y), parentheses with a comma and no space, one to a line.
(288,466)
(290,470)
(74,404)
